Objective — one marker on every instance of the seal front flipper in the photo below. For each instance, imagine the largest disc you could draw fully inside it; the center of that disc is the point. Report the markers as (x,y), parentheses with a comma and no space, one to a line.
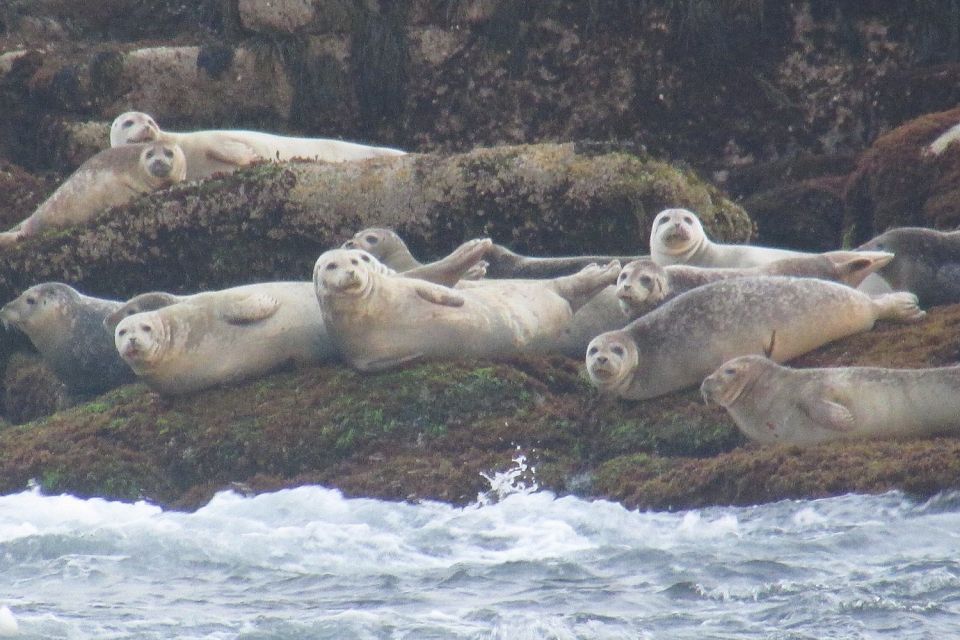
(232,152)
(247,308)
(828,414)
(450,270)
(439,295)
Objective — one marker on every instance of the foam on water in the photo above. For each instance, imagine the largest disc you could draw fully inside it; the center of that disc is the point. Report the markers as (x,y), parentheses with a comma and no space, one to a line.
(308,563)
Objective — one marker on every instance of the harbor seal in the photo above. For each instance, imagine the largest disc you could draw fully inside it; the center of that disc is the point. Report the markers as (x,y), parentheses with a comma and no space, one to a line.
(378,322)
(212,152)
(771,403)
(644,285)
(220,337)
(108,179)
(927,262)
(678,344)
(65,327)
(390,249)
(678,237)
(445,271)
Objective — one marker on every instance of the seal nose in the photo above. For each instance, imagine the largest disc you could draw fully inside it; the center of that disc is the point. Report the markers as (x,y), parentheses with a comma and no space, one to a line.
(601,359)
(160,168)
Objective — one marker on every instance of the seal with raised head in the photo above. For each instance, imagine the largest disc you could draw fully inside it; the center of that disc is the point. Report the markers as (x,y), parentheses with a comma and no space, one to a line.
(211,152)
(926,262)
(66,328)
(380,321)
(643,284)
(771,403)
(108,179)
(678,237)
(681,342)
(390,249)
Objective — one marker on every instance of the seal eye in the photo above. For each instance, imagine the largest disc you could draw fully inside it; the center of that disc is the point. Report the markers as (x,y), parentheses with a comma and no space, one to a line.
(331,266)
(145,328)
(730,371)
(354,262)
(168,153)
(688,220)
(646,281)
(127,124)
(150,154)
(593,351)
(122,332)
(618,350)
(661,221)
(365,258)
(31,301)
(372,239)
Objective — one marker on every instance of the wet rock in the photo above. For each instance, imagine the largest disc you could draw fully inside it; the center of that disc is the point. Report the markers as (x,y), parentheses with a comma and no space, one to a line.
(70,143)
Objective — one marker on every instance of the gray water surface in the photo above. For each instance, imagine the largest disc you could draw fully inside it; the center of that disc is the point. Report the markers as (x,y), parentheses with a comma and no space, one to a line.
(308,563)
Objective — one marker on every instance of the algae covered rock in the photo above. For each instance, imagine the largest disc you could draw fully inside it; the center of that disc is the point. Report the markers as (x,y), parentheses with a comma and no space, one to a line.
(898,183)
(273,220)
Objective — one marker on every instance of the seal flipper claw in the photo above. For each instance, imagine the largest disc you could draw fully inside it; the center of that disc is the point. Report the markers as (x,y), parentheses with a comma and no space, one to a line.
(248,308)
(828,414)
(440,295)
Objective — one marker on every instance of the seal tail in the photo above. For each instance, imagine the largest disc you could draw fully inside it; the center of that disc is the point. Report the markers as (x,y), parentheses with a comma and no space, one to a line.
(898,307)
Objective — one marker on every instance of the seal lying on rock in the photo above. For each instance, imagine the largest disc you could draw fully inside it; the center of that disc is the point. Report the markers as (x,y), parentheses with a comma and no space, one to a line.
(211,152)
(644,285)
(193,342)
(65,327)
(379,321)
(390,249)
(446,271)
(677,237)
(678,344)
(223,336)
(775,404)
(108,179)
(927,262)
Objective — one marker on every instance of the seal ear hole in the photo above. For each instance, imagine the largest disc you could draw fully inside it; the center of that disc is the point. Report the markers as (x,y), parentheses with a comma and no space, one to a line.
(618,350)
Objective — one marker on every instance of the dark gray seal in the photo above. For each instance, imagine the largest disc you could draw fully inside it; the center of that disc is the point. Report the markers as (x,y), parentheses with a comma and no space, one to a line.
(926,262)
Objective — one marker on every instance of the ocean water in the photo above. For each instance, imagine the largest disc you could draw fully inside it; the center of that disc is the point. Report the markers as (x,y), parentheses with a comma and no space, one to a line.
(520,564)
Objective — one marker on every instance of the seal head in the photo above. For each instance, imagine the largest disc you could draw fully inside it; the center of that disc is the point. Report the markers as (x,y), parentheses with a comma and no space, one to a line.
(725,385)
(641,285)
(132,127)
(345,272)
(141,340)
(612,358)
(676,233)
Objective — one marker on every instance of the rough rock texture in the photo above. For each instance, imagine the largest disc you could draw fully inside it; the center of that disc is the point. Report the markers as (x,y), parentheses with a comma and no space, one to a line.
(272,221)
(427,431)
(897,184)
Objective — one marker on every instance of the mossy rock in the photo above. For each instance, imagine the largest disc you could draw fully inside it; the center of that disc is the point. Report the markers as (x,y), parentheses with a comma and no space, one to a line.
(271,221)
(428,431)
(895,184)
(805,215)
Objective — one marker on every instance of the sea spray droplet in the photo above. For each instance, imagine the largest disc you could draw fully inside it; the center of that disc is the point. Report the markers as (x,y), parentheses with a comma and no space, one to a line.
(509,482)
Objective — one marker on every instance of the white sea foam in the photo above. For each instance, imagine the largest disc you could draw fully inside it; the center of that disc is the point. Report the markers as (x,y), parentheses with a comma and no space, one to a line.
(308,562)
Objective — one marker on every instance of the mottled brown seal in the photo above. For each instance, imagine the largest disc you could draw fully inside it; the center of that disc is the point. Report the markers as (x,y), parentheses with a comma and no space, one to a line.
(643,284)
(108,179)
(926,262)
(65,327)
(776,404)
(211,152)
(379,321)
(678,344)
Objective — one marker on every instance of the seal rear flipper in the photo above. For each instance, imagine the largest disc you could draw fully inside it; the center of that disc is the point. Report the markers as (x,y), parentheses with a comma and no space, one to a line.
(828,413)
(450,270)
(232,152)
(439,295)
(247,308)
(854,266)
(898,307)
(9,238)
